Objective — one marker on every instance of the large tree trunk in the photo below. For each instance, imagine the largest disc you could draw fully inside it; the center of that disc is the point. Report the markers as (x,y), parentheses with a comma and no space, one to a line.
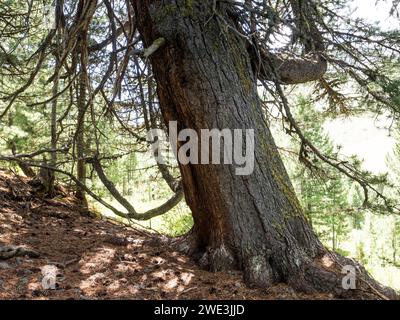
(252,223)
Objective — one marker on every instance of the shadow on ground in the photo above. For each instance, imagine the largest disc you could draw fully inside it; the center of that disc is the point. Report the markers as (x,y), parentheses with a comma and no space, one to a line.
(99,259)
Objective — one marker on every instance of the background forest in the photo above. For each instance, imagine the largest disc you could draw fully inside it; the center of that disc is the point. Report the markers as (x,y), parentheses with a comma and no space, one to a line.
(44,116)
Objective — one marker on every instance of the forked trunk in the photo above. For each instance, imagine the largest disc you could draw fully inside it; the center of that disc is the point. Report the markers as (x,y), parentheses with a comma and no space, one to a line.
(251,223)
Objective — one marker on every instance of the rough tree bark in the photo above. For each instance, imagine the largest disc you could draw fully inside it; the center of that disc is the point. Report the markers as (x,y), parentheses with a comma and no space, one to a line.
(251,223)
(86,10)
(80,131)
(53,126)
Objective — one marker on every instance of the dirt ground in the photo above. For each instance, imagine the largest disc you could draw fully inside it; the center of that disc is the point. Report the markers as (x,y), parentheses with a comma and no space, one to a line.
(94,258)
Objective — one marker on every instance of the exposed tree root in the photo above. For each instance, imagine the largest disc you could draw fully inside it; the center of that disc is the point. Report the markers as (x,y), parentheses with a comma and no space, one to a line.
(8,252)
(330,273)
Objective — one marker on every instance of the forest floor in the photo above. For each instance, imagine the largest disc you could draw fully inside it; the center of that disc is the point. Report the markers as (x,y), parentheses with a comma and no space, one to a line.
(95,258)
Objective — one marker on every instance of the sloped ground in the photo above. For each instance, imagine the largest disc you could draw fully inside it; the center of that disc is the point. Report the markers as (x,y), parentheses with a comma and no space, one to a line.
(91,258)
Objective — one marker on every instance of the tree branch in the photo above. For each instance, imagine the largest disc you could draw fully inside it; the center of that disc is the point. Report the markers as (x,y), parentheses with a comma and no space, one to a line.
(132,214)
(291,70)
